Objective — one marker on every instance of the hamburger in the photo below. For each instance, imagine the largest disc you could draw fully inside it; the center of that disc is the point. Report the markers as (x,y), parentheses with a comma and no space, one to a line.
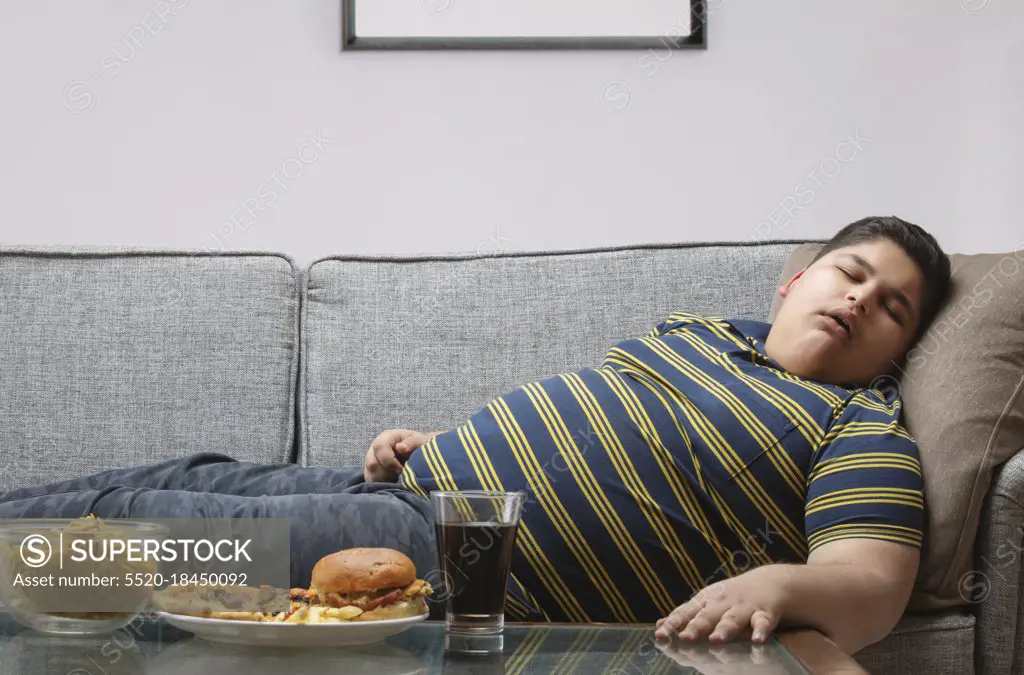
(380,582)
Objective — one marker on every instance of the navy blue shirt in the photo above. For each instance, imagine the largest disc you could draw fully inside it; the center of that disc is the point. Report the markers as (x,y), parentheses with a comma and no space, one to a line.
(689,456)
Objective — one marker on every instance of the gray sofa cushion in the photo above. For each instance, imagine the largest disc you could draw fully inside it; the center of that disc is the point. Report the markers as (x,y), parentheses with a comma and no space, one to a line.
(119,358)
(423,342)
(934,643)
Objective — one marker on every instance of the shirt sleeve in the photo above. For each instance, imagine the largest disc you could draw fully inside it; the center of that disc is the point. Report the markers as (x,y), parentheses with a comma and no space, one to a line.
(865,478)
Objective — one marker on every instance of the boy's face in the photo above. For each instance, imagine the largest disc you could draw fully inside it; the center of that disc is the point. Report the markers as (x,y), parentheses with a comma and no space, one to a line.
(849,316)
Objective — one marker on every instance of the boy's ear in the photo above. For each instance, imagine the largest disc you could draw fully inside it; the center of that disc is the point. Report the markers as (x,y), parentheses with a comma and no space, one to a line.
(784,288)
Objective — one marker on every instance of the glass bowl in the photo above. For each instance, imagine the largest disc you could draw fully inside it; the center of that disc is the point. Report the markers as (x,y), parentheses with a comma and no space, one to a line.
(60,576)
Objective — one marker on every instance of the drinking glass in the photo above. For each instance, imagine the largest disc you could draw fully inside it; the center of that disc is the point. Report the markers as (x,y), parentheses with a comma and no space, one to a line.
(476,536)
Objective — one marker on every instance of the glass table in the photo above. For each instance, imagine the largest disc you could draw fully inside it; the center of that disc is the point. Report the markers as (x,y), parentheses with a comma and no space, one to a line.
(152,647)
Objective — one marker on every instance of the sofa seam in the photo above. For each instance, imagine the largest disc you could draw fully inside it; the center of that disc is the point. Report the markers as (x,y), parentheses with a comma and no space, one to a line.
(993,437)
(657,246)
(303,450)
(104,252)
(293,370)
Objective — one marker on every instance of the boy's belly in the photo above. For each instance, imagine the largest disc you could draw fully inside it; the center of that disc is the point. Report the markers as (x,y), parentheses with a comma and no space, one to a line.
(617,525)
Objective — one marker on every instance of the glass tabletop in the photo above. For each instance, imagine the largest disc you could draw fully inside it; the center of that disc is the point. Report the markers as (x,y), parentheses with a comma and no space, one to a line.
(151,647)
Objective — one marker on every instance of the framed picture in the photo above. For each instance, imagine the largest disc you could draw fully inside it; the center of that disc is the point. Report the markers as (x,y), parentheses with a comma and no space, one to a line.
(523,24)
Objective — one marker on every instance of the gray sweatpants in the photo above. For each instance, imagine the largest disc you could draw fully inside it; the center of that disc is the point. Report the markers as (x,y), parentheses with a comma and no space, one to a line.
(329,509)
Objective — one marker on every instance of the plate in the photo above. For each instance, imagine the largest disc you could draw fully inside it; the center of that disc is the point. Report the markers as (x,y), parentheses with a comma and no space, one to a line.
(272,634)
(201,657)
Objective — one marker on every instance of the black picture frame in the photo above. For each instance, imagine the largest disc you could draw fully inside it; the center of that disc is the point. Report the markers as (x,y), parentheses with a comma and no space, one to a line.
(697,39)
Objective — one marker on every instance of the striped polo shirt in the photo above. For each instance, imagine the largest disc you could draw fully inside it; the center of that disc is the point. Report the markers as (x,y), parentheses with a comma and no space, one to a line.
(687,457)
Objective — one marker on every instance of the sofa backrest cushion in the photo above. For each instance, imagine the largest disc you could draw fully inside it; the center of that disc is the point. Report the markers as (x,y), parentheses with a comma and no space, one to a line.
(114,358)
(962,390)
(423,342)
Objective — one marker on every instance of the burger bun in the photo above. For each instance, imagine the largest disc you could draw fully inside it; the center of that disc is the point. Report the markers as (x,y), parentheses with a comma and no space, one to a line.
(362,569)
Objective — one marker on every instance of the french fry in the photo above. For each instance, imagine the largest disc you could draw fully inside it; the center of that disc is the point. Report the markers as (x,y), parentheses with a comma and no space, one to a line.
(298,616)
(343,613)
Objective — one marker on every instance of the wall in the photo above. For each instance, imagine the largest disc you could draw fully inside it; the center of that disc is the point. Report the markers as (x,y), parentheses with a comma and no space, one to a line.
(157,123)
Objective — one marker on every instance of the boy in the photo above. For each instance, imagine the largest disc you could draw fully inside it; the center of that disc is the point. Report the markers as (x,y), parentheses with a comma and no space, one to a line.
(746,466)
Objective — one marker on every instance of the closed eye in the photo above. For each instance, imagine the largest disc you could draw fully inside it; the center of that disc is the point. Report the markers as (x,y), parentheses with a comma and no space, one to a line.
(892,312)
(848,274)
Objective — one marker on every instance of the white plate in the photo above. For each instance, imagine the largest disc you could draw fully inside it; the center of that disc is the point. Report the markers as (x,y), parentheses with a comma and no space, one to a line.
(201,657)
(272,634)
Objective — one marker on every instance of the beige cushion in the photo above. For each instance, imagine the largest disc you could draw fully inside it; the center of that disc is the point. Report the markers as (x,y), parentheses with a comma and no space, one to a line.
(963,403)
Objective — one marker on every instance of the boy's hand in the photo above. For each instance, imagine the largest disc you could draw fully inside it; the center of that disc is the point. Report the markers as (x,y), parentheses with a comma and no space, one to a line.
(749,604)
(388,452)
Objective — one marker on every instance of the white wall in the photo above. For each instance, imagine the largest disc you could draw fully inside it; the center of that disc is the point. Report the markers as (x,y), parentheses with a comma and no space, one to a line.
(442,151)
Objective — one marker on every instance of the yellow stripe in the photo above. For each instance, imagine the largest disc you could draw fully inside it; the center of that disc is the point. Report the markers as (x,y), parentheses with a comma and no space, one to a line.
(524,652)
(684,317)
(693,416)
(577,650)
(875,499)
(855,526)
(620,659)
(885,456)
(590,487)
(827,396)
(545,571)
(525,542)
(721,329)
(553,507)
(684,494)
(515,609)
(732,463)
(808,426)
(485,472)
(408,480)
(754,425)
(864,490)
(864,400)
(435,461)
(860,527)
(896,539)
(779,458)
(534,605)
(888,532)
(715,325)
(851,429)
(854,463)
(627,472)
(584,478)
(431,455)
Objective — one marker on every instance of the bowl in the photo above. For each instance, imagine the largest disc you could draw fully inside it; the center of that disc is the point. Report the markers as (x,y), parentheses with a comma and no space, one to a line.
(74,576)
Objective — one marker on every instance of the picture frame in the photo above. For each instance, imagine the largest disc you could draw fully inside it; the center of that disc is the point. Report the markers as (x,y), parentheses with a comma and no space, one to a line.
(524,24)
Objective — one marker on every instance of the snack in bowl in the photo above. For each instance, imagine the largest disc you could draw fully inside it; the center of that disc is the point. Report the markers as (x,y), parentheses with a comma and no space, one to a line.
(68,576)
(358,584)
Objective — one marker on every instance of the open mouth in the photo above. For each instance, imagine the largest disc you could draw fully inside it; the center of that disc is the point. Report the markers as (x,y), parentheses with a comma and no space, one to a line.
(841,322)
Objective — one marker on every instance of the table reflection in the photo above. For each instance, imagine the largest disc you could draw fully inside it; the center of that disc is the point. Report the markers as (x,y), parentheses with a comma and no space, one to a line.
(522,650)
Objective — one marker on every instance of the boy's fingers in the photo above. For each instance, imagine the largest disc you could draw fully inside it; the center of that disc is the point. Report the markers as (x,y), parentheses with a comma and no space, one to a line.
(762,623)
(387,459)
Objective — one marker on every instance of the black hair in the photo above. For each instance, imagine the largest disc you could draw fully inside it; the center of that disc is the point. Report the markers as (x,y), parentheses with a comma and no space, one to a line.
(919,246)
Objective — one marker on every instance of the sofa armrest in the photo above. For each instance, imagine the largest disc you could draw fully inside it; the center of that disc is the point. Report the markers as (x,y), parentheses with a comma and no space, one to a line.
(996,580)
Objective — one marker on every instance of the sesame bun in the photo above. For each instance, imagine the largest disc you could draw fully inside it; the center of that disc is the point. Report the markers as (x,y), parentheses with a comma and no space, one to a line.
(362,569)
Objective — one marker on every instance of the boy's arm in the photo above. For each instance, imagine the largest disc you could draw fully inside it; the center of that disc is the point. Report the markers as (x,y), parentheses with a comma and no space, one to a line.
(852,590)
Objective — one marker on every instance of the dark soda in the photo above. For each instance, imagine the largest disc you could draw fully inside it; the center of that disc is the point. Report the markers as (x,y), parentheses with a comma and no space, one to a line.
(476,558)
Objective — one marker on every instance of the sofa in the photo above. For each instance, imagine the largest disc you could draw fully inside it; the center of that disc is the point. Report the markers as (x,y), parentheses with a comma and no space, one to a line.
(117,357)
